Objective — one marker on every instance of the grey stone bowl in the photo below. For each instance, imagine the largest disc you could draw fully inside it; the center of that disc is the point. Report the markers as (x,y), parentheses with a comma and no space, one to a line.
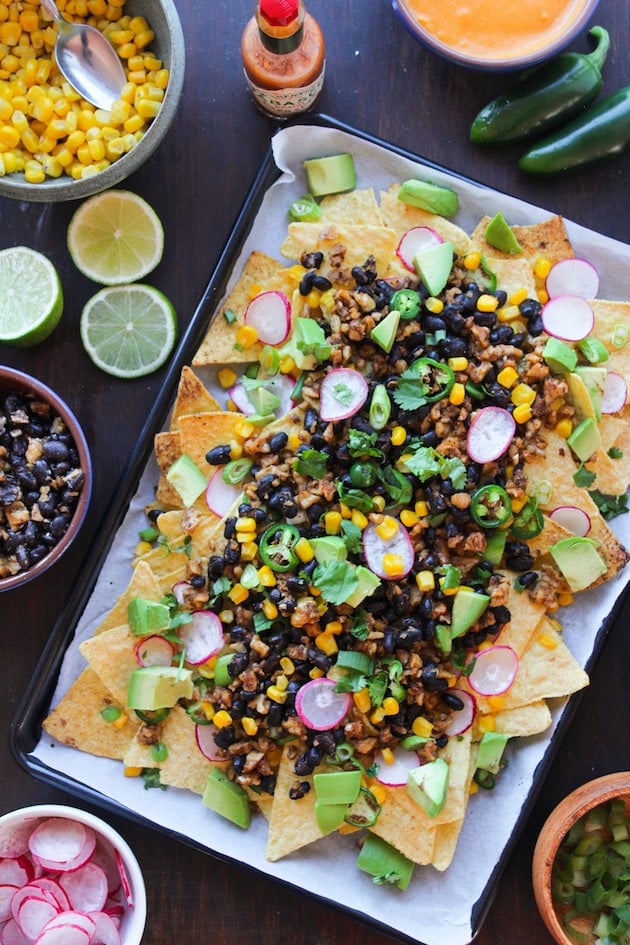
(168,46)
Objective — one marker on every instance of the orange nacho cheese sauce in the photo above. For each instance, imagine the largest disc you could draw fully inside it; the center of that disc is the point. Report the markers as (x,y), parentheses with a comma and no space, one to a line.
(495,30)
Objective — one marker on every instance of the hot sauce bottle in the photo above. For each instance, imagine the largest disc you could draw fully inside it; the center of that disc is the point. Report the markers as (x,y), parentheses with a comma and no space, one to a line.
(283,55)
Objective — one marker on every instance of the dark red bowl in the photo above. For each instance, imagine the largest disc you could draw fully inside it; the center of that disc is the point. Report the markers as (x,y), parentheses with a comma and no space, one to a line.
(10,379)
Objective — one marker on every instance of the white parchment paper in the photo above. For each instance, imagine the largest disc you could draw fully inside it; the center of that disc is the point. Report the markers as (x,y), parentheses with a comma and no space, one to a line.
(437,908)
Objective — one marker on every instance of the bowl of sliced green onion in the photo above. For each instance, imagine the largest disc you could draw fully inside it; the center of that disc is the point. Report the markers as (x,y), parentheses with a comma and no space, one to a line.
(581,864)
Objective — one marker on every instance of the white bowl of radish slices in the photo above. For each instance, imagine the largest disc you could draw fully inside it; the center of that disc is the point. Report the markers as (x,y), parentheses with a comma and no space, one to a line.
(67,878)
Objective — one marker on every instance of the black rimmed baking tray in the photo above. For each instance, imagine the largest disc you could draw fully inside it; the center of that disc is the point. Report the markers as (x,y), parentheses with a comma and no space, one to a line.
(450,922)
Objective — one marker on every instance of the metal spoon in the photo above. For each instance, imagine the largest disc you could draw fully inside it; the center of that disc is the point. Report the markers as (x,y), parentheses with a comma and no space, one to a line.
(87,60)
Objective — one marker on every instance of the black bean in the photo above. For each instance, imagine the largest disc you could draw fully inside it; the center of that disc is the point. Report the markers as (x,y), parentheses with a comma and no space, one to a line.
(278,442)
(452,701)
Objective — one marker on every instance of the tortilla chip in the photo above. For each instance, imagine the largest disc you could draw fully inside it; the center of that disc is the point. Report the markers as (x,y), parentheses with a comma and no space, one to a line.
(446,837)
(204,531)
(192,397)
(353,207)
(549,239)
(513,274)
(360,242)
(201,432)
(111,656)
(521,721)
(402,217)
(412,837)
(77,721)
(526,615)
(184,766)
(292,824)
(143,583)
(218,346)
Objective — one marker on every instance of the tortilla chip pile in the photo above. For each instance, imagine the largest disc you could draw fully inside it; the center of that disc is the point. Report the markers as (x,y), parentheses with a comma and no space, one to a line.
(189,536)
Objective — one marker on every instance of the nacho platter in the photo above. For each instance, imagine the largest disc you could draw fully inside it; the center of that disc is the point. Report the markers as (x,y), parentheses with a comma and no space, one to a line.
(311,863)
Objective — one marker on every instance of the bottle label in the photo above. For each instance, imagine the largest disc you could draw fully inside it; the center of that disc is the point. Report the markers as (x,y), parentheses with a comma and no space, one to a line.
(286,102)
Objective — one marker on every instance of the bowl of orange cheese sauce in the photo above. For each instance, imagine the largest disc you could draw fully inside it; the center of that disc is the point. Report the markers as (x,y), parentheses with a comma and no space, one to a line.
(486,34)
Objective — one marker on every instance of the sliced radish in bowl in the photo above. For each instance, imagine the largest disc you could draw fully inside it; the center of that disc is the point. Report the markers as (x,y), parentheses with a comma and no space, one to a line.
(319,706)
(205,736)
(202,637)
(62,844)
(615,393)
(394,773)
(154,651)
(221,495)
(494,670)
(269,313)
(572,276)
(390,557)
(568,317)
(462,719)
(414,240)
(342,394)
(490,433)
(572,518)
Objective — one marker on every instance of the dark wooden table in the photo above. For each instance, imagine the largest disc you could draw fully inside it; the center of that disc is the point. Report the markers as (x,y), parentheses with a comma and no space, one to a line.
(380,81)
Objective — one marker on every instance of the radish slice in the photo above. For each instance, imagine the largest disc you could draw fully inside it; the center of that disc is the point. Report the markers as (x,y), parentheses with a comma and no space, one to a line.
(32,892)
(105,931)
(615,393)
(54,888)
(104,857)
(319,707)
(568,317)
(63,935)
(202,637)
(86,888)
(124,879)
(572,518)
(494,670)
(342,394)
(572,277)
(394,774)
(154,651)
(269,313)
(221,495)
(7,892)
(59,843)
(14,837)
(205,736)
(33,915)
(462,719)
(12,935)
(490,433)
(282,386)
(16,872)
(376,550)
(238,396)
(414,240)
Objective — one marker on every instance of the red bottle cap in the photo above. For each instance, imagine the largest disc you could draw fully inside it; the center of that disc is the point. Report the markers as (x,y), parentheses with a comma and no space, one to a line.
(279,12)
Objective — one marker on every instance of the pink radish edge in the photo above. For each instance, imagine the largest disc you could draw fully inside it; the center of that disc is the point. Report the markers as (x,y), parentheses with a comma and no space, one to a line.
(269,313)
(572,276)
(154,651)
(342,393)
(319,707)
(416,238)
(202,637)
(462,719)
(490,433)
(394,774)
(568,317)
(205,738)
(615,393)
(221,495)
(572,518)
(494,670)
(375,548)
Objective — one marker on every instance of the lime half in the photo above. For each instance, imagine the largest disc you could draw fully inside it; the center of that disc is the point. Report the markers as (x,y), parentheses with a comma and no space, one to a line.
(115,237)
(128,330)
(31,299)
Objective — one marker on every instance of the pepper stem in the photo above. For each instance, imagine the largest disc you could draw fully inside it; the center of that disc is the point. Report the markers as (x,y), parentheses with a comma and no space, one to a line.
(598,56)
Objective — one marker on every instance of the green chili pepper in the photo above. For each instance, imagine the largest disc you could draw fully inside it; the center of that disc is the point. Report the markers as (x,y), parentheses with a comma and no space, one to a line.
(490,506)
(236,470)
(277,546)
(304,208)
(544,97)
(529,522)
(602,131)
(362,474)
(407,302)
(153,716)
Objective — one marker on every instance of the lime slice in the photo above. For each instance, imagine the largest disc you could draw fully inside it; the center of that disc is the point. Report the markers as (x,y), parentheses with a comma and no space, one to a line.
(128,330)
(115,237)
(31,299)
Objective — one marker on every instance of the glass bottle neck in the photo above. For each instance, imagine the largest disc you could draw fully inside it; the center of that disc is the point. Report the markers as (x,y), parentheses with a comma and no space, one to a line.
(281,34)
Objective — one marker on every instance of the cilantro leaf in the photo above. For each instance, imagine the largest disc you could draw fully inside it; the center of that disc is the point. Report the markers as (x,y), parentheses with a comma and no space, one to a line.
(583,478)
(609,505)
(311,463)
(615,453)
(426,462)
(363,444)
(336,580)
(351,535)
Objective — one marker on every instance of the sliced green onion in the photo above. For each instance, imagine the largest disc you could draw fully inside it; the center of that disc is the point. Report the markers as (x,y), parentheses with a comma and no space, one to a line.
(355,661)
(380,407)
(270,360)
(110,713)
(159,751)
(236,470)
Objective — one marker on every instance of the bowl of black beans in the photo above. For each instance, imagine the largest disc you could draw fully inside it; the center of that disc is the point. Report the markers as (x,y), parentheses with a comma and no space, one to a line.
(45,477)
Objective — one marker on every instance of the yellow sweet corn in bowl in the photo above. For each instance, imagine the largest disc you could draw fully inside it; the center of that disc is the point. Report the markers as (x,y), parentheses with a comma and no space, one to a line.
(54,145)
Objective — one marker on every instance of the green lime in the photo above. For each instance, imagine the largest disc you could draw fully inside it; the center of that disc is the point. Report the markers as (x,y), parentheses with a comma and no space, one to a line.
(128,330)
(31,299)
(115,237)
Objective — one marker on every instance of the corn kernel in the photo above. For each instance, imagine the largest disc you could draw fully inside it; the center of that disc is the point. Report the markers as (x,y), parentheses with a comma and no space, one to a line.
(227,377)
(304,550)
(332,523)
(473,788)
(362,700)
(378,502)
(458,364)
(358,518)
(518,296)
(269,609)
(287,364)
(287,665)
(564,428)
(377,715)
(249,550)
(487,723)
(496,703)
(523,394)
(244,429)
(142,548)
(390,706)
(519,504)
(546,640)
(543,296)
(315,673)
(238,594)
(334,626)
(433,305)
(425,581)
(398,436)
(542,267)
(34,172)
(388,756)
(457,394)
(245,523)
(565,598)
(121,721)
(487,303)
(522,413)
(388,528)
(246,336)
(222,718)
(392,564)
(326,643)
(421,727)
(250,726)
(507,377)
(421,508)
(345,510)
(266,576)
(132,771)
(409,518)
(472,260)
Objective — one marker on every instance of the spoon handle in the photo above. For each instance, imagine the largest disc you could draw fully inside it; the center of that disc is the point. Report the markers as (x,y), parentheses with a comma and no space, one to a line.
(51,8)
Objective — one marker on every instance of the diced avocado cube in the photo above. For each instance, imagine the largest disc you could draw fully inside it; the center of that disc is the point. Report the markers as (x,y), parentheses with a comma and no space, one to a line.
(329,548)
(227,798)
(468,606)
(495,546)
(337,787)
(580,562)
(333,174)
(585,439)
(384,334)
(490,751)
(147,616)
(430,197)
(368,583)
(221,674)
(187,479)
(158,687)
(427,785)
(329,816)
(560,356)
(500,234)
(433,265)
(384,862)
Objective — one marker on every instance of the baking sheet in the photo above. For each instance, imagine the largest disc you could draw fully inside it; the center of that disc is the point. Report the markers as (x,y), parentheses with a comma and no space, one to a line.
(443,908)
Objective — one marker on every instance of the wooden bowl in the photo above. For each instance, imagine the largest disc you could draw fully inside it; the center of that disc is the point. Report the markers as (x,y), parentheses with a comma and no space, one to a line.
(554,830)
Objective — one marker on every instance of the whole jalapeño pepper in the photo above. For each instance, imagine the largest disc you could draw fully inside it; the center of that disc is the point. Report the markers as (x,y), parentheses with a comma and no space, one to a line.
(544,97)
(603,131)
